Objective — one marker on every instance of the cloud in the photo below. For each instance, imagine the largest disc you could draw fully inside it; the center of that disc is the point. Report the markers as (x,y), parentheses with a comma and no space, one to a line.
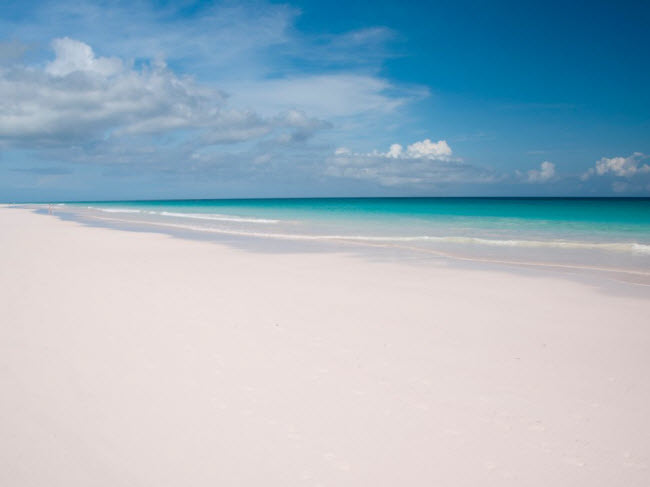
(619,166)
(44,171)
(421,150)
(342,48)
(198,37)
(79,97)
(422,163)
(72,56)
(324,95)
(545,173)
(251,50)
(11,51)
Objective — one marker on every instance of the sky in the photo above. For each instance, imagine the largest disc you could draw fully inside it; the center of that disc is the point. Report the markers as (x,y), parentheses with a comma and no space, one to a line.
(187,99)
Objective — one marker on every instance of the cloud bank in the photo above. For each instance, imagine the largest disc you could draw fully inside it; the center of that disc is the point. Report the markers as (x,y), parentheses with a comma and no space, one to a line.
(79,97)
(422,163)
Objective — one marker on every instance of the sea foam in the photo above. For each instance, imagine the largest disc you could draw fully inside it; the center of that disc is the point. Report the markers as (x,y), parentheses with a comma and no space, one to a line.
(195,216)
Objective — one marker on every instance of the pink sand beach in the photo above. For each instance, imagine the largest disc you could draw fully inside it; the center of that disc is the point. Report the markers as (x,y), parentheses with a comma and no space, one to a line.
(144,360)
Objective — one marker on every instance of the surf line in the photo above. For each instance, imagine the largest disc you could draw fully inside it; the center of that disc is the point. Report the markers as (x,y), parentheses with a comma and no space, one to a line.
(366,243)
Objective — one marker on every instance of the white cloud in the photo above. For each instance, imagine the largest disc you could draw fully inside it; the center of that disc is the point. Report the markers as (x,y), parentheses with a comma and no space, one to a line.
(429,150)
(545,173)
(422,163)
(72,55)
(232,35)
(325,95)
(619,166)
(424,149)
(395,151)
(242,47)
(81,97)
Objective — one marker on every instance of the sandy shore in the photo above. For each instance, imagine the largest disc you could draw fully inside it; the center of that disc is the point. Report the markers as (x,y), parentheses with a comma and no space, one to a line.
(134,359)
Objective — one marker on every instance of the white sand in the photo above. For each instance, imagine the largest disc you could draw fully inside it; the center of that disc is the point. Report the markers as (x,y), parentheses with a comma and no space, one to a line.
(131,359)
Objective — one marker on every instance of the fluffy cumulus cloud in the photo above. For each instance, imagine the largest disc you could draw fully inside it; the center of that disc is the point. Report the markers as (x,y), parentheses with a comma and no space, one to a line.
(420,150)
(625,167)
(79,97)
(420,164)
(545,173)
(73,56)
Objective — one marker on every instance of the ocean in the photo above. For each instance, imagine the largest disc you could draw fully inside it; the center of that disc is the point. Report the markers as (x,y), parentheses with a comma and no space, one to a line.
(598,233)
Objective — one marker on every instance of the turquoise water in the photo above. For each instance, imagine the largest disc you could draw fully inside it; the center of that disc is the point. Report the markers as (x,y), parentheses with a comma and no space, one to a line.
(598,217)
(614,231)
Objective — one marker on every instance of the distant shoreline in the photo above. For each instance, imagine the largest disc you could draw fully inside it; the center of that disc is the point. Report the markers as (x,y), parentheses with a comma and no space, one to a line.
(567,235)
(144,200)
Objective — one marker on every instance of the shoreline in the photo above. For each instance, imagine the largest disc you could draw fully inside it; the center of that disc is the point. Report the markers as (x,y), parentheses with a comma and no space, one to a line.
(142,359)
(365,249)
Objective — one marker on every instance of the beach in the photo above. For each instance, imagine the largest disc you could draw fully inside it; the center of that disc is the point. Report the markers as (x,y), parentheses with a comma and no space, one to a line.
(140,359)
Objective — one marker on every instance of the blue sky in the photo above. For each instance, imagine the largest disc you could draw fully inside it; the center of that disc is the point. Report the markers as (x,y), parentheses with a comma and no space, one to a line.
(111,100)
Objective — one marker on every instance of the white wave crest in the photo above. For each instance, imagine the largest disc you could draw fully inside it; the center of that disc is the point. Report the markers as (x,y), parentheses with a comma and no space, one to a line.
(633,247)
(217,217)
(115,210)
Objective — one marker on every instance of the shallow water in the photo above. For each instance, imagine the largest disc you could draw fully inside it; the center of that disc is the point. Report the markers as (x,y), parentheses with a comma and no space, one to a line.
(599,233)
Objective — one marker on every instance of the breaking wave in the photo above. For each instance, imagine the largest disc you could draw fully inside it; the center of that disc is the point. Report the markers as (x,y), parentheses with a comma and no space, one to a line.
(115,210)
